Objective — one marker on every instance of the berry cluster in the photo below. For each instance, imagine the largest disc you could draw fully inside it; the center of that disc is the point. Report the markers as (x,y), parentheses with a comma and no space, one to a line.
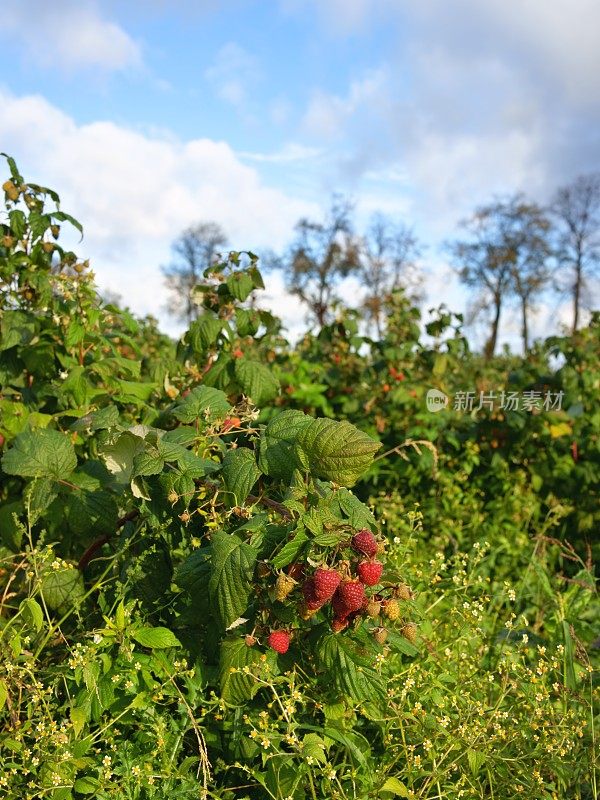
(345,588)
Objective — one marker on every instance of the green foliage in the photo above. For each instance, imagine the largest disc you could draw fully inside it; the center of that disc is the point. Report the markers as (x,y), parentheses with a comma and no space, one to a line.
(162,507)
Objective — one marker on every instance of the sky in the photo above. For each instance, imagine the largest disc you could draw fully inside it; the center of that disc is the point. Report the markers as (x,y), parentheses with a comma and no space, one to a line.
(150,116)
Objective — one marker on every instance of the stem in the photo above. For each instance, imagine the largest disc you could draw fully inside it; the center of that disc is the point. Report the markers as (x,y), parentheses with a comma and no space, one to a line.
(102,540)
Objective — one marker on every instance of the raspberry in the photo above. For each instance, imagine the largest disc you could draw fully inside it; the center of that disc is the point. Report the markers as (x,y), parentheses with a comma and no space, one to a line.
(380,635)
(373,608)
(370,572)
(339,606)
(339,624)
(313,603)
(306,612)
(326,581)
(365,542)
(409,631)
(279,641)
(283,586)
(249,640)
(391,609)
(352,594)
(403,592)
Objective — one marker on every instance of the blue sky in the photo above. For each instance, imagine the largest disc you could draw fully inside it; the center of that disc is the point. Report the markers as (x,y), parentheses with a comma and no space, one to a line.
(148,116)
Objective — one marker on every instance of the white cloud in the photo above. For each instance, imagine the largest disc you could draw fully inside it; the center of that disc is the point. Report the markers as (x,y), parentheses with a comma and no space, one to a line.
(135,192)
(68,34)
(233,73)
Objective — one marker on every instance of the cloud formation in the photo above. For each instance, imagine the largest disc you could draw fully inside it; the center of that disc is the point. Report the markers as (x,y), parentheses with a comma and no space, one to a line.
(69,34)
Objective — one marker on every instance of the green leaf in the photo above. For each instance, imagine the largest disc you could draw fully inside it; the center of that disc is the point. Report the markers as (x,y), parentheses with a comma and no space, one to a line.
(203,403)
(3,694)
(135,392)
(395,787)
(290,550)
(63,589)
(119,457)
(352,674)
(236,687)
(240,473)
(256,381)
(476,760)
(337,451)
(230,582)
(313,746)
(240,285)
(39,494)
(107,417)
(146,463)
(156,638)
(32,611)
(79,716)
(204,332)
(279,454)
(40,453)
(359,516)
(91,512)
(16,327)
(86,785)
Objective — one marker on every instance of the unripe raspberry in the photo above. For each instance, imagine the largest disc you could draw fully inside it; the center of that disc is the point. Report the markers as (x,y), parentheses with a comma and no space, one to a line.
(339,624)
(373,608)
(370,572)
(305,612)
(11,190)
(365,542)
(172,497)
(403,592)
(249,640)
(326,581)
(409,631)
(380,635)
(283,586)
(391,609)
(352,594)
(279,641)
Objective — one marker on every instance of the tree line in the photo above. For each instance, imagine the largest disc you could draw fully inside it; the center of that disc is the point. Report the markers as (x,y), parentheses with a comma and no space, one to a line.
(509,250)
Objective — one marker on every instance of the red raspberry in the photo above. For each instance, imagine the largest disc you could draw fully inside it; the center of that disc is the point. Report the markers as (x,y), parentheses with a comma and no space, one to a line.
(326,581)
(313,603)
(370,572)
(279,641)
(352,594)
(340,609)
(365,542)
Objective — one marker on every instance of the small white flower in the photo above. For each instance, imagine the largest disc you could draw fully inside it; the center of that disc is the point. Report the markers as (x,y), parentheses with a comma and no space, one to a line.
(63,374)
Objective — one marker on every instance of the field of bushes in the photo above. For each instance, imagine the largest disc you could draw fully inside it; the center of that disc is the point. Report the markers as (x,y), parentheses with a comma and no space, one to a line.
(233,567)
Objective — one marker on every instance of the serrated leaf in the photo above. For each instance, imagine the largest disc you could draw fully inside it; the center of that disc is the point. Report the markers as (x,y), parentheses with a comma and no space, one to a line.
(290,550)
(313,747)
(119,456)
(476,760)
(202,403)
(146,463)
(352,674)
(136,392)
(156,638)
(359,516)
(395,787)
(40,453)
(240,473)
(63,589)
(107,417)
(240,285)
(3,694)
(204,332)
(256,381)
(230,584)
(38,496)
(279,454)
(236,687)
(337,451)
(79,716)
(91,512)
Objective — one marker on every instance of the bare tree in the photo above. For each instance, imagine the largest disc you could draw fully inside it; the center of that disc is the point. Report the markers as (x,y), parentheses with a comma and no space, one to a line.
(506,254)
(323,254)
(196,249)
(576,208)
(388,263)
